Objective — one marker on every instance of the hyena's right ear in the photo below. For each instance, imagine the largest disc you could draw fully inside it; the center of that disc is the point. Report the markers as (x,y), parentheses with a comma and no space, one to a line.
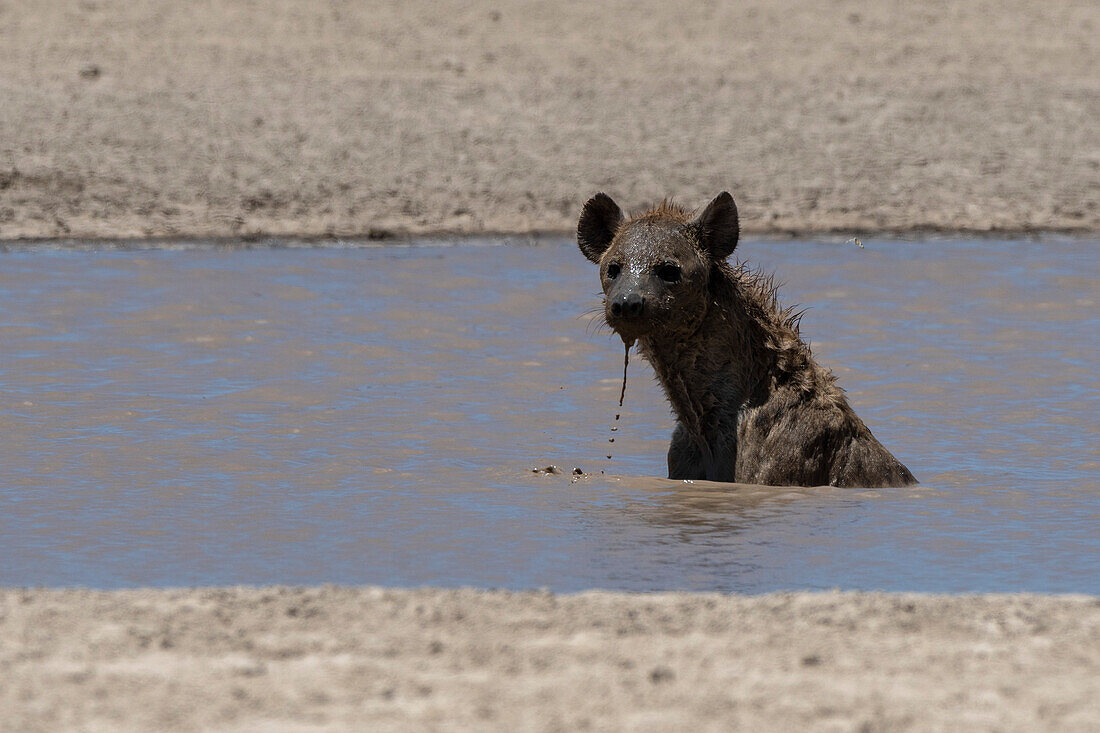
(600,219)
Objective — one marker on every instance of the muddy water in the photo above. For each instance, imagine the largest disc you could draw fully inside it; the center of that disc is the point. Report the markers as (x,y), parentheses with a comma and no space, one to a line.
(373,415)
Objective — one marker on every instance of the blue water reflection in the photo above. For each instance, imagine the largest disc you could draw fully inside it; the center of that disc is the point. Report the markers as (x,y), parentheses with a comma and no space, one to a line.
(371,415)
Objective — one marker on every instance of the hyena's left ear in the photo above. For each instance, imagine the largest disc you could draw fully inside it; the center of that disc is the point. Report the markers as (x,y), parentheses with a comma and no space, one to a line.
(716,229)
(600,219)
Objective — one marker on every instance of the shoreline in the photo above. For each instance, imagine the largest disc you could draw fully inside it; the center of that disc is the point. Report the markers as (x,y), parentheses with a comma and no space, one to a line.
(376,236)
(428,237)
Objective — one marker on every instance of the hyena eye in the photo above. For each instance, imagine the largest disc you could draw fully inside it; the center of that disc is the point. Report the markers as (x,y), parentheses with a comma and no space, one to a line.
(613,270)
(669,272)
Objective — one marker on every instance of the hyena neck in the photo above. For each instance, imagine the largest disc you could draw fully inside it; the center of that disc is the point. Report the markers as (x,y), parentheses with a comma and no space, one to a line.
(744,349)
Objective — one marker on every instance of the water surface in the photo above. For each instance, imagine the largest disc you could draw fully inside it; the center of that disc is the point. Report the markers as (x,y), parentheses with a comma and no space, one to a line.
(372,415)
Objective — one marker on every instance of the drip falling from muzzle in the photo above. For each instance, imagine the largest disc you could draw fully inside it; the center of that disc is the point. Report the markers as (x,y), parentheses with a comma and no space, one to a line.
(622,392)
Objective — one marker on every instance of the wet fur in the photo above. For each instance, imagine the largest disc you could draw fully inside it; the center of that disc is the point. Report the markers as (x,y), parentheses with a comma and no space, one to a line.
(752,405)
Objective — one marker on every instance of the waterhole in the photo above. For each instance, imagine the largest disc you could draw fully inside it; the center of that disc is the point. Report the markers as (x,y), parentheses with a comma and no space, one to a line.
(372,415)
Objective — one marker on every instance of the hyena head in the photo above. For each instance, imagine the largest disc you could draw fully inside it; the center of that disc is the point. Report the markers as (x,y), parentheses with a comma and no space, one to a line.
(655,268)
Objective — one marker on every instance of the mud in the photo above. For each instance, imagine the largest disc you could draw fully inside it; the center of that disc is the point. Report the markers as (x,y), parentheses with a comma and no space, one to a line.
(373,416)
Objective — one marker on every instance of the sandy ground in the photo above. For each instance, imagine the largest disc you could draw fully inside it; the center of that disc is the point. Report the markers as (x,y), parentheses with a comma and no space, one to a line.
(318,118)
(372,659)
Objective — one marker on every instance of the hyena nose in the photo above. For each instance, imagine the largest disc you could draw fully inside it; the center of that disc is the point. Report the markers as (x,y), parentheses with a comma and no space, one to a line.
(631,305)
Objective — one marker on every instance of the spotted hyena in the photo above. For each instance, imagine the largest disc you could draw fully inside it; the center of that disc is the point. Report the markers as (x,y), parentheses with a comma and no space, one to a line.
(751,403)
